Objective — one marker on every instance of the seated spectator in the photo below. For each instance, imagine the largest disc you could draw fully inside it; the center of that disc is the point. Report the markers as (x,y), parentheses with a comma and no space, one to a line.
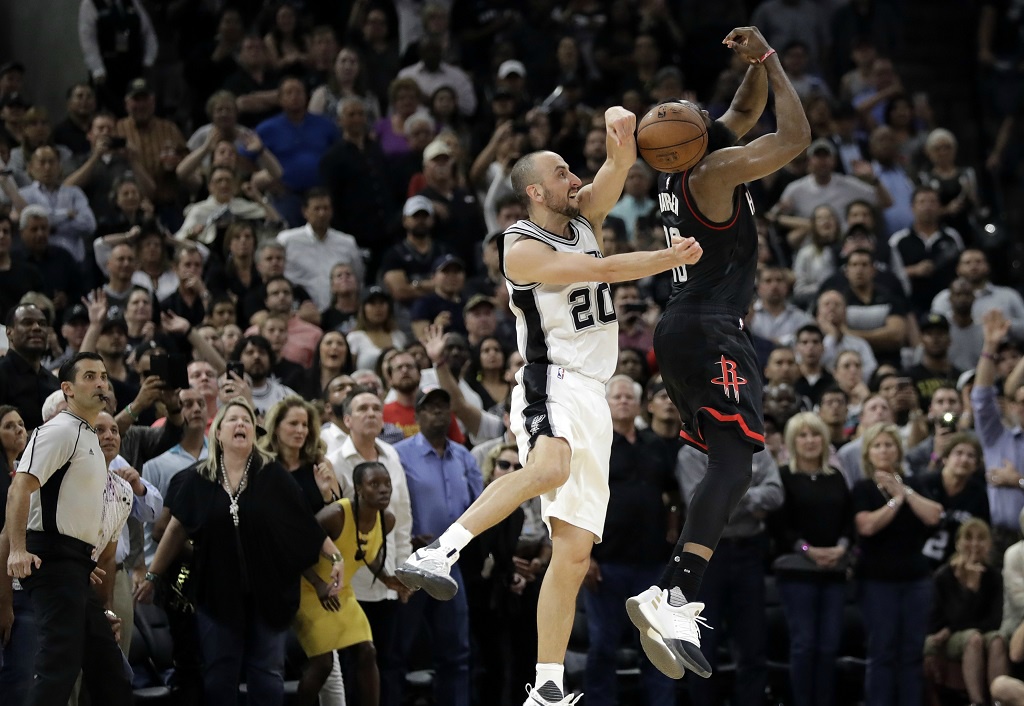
(254,83)
(109,164)
(813,528)
(298,139)
(812,378)
(73,130)
(331,360)
(960,489)
(458,219)
(776,318)
(934,368)
(302,335)
(286,42)
(816,259)
(375,328)
(36,132)
(632,311)
(71,219)
(124,208)
(875,410)
(943,419)
(24,382)
(849,377)
(313,250)
(872,312)
(966,613)
(62,276)
(274,328)
(929,250)
(408,266)
(189,299)
(148,136)
(17,277)
(887,167)
(207,220)
(957,187)
(341,311)
(973,266)
(404,99)
(270,262)
(831,319)
(883,86)
(443,306)
(345,80)
(893,522)
(833,409)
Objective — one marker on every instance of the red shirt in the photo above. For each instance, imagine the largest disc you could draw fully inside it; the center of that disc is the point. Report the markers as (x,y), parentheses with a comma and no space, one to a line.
(405,417)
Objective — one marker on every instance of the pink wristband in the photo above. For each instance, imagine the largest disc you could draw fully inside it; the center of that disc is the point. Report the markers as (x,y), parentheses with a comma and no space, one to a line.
(766,55)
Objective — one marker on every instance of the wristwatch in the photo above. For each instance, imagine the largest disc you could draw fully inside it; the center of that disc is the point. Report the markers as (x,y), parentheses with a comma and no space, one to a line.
(1020,482)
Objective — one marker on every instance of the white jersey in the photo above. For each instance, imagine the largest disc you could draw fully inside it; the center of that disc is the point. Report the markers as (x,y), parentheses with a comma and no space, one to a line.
(569,326)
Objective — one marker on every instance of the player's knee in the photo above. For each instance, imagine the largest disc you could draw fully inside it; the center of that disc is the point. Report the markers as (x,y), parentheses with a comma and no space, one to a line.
(549,475)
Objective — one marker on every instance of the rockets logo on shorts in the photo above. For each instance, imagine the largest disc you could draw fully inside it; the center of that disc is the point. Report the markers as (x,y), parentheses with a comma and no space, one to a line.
(729,380)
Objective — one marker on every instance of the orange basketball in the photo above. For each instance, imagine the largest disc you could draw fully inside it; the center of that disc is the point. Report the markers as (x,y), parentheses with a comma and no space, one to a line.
(672,137)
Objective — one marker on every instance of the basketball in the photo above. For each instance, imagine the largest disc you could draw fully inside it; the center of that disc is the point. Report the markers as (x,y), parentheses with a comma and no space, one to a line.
(672,137)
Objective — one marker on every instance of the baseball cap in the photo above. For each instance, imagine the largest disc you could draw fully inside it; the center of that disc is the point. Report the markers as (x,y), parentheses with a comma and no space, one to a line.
(76,314)
(14,100)
(510,67)
(10,66)
(821,145)
(415,204)
(437,148)
(138,87)
(431,393)
(964,380)
(933,320)
(376,292)
(478,299)
(114,320)
(446,260)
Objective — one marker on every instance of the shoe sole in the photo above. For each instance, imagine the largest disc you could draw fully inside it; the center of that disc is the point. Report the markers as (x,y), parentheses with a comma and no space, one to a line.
(442,588)
(657,651)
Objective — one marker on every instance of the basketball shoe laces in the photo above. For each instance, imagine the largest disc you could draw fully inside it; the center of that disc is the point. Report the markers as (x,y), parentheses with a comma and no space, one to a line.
(436,560)
(567,700)
(687,622)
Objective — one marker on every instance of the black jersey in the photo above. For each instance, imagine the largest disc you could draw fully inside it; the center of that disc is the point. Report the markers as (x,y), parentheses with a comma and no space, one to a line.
(725,273)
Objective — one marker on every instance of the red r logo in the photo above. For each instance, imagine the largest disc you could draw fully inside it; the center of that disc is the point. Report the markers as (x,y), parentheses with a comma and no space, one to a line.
(729,380)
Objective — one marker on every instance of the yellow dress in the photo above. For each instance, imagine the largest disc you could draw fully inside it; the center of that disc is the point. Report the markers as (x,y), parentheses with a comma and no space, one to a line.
(320,630)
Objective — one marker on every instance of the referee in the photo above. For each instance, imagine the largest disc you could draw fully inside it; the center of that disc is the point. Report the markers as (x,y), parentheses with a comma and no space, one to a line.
(57,496)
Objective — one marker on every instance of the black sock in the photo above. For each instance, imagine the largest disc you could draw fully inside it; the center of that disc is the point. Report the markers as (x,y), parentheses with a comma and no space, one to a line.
(688,574)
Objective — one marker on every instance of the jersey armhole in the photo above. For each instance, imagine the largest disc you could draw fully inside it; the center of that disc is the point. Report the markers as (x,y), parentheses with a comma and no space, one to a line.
(526,286)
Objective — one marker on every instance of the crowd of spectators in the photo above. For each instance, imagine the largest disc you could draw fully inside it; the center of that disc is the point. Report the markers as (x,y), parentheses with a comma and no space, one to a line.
(302,201)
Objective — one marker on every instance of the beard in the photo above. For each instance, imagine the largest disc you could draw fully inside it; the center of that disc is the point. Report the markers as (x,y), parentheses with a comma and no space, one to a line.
(566,207)
(719,137)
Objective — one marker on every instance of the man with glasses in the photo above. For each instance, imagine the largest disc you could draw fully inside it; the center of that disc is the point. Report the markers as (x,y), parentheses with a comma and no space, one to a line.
(24,382)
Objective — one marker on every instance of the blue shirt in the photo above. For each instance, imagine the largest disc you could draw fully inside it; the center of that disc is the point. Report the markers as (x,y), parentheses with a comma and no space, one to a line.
(298,147)
(159,471)
(441,488)
(999,444)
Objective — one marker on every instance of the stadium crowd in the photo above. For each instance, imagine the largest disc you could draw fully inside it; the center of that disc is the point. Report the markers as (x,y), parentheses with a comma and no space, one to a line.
(277,225)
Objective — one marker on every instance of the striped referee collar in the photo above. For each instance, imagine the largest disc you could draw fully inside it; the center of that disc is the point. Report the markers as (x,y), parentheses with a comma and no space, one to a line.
(68,411)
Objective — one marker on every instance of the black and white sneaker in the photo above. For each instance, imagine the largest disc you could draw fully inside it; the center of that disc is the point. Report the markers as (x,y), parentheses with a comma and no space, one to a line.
(670,635)
(430,568)
(534,697)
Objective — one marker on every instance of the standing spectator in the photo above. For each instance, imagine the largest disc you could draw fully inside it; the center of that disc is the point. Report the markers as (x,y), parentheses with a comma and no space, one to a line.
(928,249)
(149,136)
(255,83)
(206,221)
(831,319)
(341,311)
(814,378)
(816,259)
(443,306)
(17,277)
(313,250)
(255,354)
(303,336)
(458,220)
(24,382)
(973,266)
(966,337)
(957,186)
(253,536)
(776,318)
(404,99)
(813,528)
(298,139)
(189,299)
(634,330)
(18,652)
(405,377)
(444,480)
(873,312)
(118,44)
(1002,443)
(356,176)
(785,21)
(345,80)
(362,415)
(886,167)
(430,73)
(631,559)
(935,369)
(51,547)
(967,610)
(733,587)
(893,522)
(271,262)
(62,276)
(407,267)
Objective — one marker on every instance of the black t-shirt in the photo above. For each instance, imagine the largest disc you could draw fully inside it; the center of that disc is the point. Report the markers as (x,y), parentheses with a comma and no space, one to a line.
(970,502)
(956,607)
(17,281)
(416,265)
(804,388)
(894,552)
(927,381)
(306,478)
(636,523)
(818,510)
(279,540)
(25,388)
(429,307)
(242,83)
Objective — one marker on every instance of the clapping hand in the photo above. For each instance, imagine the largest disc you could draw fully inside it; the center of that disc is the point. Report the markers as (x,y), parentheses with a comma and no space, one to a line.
(995,326)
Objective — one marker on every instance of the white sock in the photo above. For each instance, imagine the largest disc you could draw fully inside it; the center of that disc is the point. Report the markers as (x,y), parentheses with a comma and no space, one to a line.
(456,537)
(550,672)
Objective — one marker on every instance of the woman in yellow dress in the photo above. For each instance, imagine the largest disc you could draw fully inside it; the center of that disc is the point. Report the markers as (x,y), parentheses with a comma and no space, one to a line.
(358,528)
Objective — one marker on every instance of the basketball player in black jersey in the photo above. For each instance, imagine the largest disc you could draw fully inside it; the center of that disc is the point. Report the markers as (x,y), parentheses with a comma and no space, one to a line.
(703,349)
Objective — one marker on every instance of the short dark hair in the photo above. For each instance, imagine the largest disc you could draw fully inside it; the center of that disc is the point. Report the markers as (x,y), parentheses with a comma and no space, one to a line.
(346,404)
(834,389)
(278,278)
(256,340)
(69,370)
(922,189)
(861,251)
(317,192)
(12,313)
(522,176)
(810,328)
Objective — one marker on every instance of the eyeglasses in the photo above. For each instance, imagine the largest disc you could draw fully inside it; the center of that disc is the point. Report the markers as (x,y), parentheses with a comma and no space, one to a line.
(508,465)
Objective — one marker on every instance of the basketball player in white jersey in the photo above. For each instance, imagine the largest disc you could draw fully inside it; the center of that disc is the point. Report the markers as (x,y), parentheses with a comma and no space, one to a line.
(568,335)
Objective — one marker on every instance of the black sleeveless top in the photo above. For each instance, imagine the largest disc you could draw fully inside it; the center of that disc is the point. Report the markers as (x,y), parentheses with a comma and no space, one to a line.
(725,274)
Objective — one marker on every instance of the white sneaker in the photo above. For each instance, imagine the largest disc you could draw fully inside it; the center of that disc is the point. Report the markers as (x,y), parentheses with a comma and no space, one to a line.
(643,610)
(677,628)
(430,568)
(533,698)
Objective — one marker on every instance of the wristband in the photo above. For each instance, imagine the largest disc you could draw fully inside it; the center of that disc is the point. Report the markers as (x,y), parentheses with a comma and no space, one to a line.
(766,55)
(151,577)
(804,548)
(986,354)
(131,413)
(335,558)
(891,503)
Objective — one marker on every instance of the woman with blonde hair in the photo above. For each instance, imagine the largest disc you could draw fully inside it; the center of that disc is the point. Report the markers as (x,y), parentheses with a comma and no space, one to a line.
(253,537)
(813,527)
(893,522)
(967,610)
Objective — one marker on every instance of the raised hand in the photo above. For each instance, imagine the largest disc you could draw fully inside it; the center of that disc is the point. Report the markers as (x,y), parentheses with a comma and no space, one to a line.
(995,326)
(748,43)
(621,124)
(97,307)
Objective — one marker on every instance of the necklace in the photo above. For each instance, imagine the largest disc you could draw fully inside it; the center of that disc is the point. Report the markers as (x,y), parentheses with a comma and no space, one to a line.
(233,497)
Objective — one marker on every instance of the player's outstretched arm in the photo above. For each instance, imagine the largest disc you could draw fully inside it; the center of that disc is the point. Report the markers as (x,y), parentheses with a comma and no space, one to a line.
(530,261)
(768,153)
(597,199)
(749,101)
